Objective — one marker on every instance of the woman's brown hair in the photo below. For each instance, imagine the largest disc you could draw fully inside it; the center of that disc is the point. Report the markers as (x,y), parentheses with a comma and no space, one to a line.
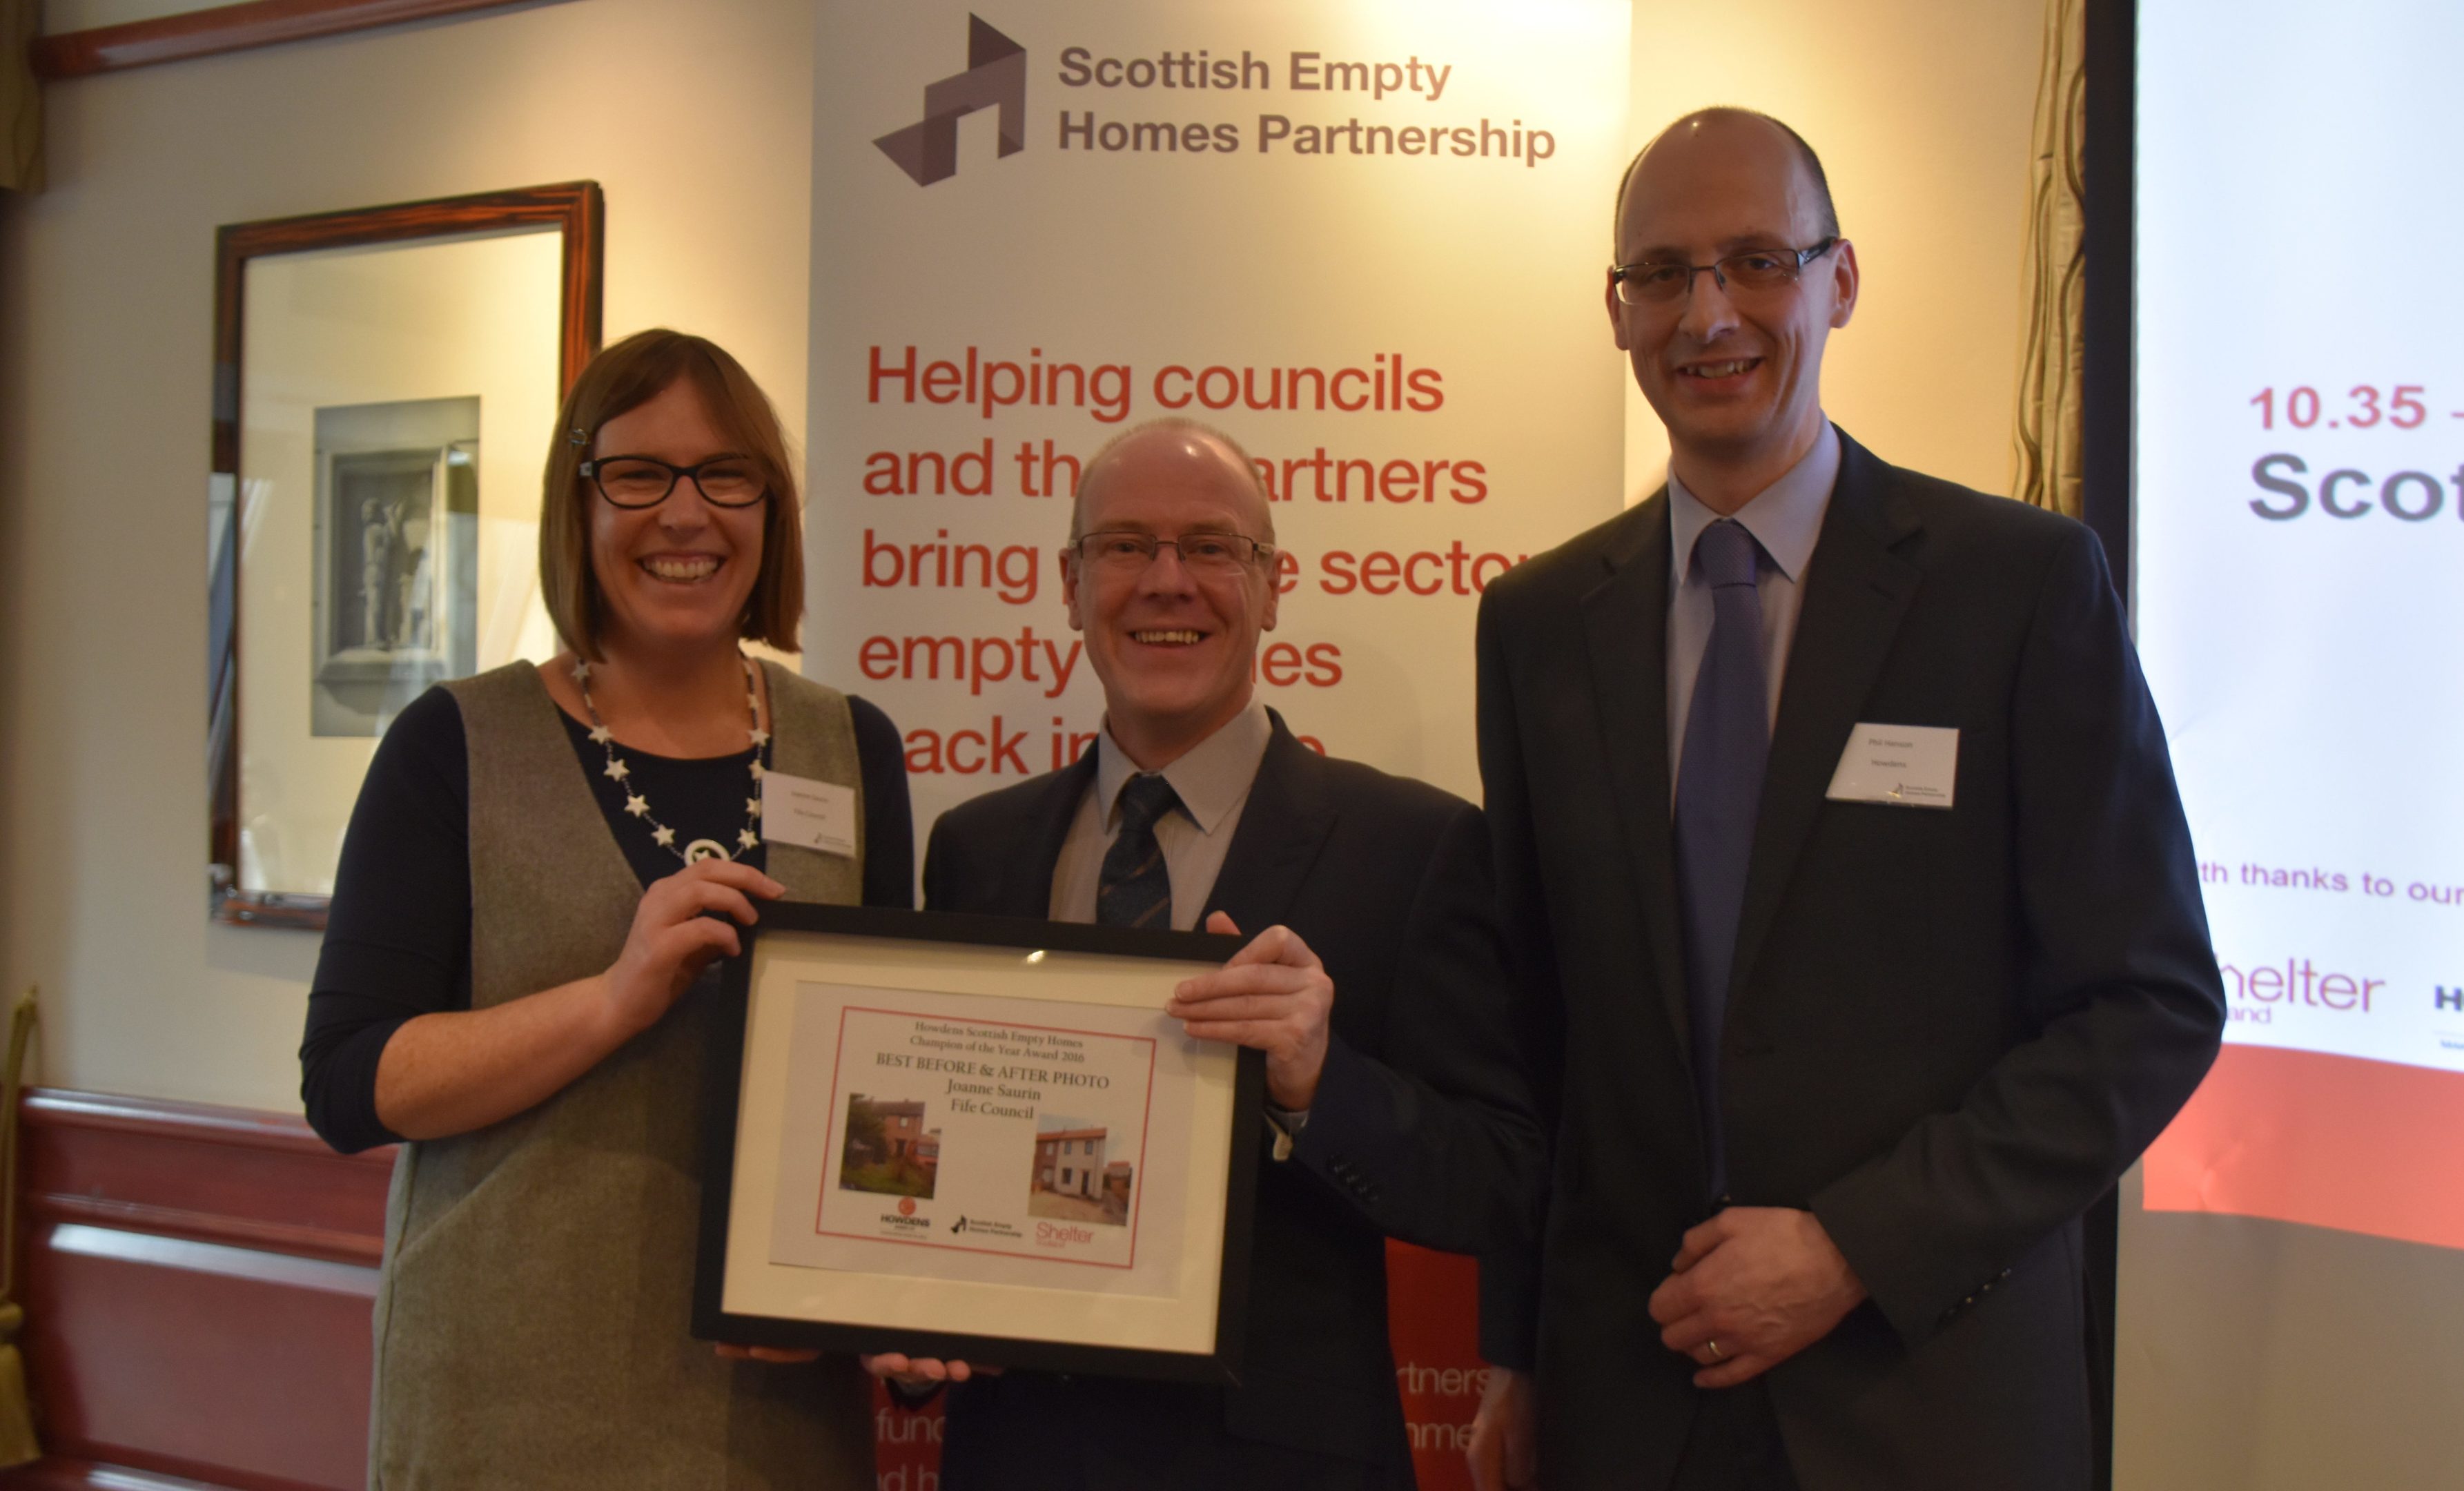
(624,377)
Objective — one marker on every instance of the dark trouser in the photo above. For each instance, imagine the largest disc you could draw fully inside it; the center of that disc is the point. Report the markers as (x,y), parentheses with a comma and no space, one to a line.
(1033,1431)
(1734,1444)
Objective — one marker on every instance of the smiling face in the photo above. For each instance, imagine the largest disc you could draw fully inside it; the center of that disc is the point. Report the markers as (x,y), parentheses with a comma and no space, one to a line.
(675,575)
(1736,377)
(1172,648)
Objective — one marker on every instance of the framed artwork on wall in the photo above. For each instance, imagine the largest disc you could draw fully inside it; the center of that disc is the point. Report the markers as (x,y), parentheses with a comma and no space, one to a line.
(395,605)
(385,384)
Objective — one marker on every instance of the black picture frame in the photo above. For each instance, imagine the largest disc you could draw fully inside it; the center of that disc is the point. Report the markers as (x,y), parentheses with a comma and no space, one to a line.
(723,1094)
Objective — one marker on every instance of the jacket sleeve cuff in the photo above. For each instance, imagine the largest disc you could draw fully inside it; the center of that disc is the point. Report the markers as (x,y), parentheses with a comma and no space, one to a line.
(1353,1134)
(1510,1312)
(1896,1255)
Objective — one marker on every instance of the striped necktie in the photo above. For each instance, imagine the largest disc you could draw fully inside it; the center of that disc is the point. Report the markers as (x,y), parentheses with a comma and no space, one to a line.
(1135,888)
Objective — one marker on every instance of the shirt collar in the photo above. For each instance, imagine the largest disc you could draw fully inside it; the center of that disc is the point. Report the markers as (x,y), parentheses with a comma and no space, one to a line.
(1210,777)
(1785,517)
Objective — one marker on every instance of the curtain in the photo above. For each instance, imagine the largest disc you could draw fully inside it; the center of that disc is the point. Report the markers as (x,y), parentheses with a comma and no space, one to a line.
(21,99)
(2054,285)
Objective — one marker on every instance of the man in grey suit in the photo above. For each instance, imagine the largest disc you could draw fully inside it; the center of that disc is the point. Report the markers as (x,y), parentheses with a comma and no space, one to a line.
(1841,865)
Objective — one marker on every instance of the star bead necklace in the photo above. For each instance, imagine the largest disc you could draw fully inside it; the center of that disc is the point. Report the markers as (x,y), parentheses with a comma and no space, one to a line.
(639,807)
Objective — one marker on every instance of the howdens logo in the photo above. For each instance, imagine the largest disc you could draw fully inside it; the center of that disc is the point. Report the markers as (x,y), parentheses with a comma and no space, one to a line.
(996,77)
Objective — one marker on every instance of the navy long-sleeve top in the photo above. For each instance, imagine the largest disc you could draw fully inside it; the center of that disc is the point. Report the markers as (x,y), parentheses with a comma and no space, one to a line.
(398,939)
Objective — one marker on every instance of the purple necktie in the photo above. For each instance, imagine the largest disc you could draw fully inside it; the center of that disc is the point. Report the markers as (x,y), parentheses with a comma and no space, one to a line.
(1719,793)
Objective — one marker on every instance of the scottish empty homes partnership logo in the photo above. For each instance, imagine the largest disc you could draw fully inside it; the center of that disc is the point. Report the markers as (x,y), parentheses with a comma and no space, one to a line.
(996,77)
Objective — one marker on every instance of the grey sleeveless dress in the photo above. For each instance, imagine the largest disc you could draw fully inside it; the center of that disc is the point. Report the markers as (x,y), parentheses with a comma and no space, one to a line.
(532,1320)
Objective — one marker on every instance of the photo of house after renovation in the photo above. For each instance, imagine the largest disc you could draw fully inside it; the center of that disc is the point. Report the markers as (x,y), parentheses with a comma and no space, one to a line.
(1075,1178)
(889,1151)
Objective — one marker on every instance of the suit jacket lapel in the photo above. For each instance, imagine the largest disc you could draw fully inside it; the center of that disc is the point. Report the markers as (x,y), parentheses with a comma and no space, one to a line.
(1855,591)
(1625,626)
(1027,883)
(1282,827)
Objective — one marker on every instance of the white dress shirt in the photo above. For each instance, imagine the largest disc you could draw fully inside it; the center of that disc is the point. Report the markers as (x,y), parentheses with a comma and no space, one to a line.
(1212,779)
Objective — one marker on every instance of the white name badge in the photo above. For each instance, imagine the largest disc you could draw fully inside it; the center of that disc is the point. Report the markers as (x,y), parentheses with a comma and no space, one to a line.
(809,814)
(1908,765)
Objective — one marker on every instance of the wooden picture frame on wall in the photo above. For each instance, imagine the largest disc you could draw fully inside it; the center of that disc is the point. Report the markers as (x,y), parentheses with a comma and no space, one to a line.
(405,569)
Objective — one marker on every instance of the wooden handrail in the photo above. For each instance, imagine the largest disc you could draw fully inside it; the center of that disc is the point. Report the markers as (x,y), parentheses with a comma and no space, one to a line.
(226,28)
(63,1107)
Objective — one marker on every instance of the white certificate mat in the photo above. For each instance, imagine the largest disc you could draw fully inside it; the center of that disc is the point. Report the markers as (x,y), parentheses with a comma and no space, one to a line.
(1005,1143)
(1009,1130)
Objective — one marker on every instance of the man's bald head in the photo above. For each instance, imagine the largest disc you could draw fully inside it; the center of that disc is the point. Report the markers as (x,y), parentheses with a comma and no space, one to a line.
(1727,118)
(1171,633)
(1732,361)
(1188,438)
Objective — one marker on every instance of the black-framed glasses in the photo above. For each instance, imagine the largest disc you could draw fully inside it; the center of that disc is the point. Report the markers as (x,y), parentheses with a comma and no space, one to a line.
(639,481)
(1125,551)
(1749,272)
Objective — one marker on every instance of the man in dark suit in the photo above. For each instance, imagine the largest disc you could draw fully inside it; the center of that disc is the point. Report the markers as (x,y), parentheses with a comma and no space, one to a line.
(1373,983)
(1840,861)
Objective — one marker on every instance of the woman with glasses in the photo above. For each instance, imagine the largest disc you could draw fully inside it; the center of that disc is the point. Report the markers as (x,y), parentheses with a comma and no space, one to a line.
(517,978)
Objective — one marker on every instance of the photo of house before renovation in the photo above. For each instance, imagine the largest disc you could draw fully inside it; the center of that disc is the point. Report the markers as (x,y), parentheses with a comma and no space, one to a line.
(1075,1177)
(889,1151)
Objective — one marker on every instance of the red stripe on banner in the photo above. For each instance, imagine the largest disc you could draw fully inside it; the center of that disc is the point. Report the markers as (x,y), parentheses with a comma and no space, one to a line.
(2332,1141)
(1433,1303)
(906,1444)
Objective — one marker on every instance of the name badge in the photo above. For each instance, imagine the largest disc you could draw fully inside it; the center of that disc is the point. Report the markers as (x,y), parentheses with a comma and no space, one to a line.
(809,814)
(1907,765)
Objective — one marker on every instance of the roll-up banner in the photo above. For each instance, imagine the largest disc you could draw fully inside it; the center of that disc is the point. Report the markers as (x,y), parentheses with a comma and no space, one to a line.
(1365,239)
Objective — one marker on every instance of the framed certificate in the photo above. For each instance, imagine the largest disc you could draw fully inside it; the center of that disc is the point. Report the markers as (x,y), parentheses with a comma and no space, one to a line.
(976,1137)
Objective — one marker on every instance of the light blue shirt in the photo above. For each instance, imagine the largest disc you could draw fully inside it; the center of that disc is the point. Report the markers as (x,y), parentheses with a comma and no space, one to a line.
(1786,519)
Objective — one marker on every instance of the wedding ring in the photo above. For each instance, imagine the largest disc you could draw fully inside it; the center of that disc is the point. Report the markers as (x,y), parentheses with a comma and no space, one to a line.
(1713,1346)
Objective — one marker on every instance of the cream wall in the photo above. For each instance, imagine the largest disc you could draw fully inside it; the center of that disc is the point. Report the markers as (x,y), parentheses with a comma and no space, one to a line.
(106,321)
(106,287)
